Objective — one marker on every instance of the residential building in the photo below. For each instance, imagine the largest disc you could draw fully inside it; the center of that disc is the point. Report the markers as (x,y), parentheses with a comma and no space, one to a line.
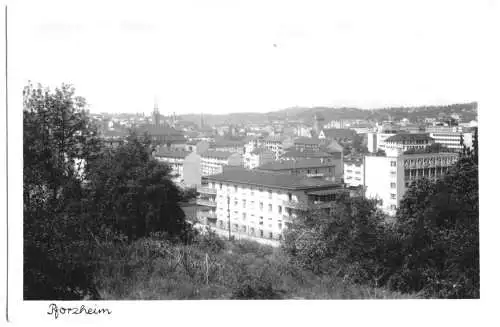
(453,140)
(197,146)
(319,168)
(192,170)
(275,144)
(307,144)
(337,134)
(387,178)
(257,157)
(175,159)
(376,140)
(353,172)
(212,161)
(228,145)
(260,205)
(303,131)
(399,143)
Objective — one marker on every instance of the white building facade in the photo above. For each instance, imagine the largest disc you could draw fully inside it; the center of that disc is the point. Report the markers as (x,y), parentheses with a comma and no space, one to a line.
(353,173)
(387,178)
(260,205)
(212,162)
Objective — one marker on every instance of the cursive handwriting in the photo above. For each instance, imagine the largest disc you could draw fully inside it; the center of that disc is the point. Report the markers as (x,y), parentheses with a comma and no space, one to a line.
(56,311)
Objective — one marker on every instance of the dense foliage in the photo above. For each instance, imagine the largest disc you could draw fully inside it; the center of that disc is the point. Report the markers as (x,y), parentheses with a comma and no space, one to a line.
(77,195)
(431,247)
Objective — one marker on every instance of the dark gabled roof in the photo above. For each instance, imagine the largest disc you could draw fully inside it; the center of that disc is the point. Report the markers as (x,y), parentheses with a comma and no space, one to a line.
(269,179)
(172,154)
(332,147)
(409,137)
(227,143)
(216,154)
(307,140)
(294,153)
(339,133)
(292,164)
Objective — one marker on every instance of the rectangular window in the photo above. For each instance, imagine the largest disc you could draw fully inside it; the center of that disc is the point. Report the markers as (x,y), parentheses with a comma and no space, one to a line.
(244,215)
(261,206)
(244,203)
(270,235)
(393,207)
(270,193)
(393,185)
(280,209)
(393,196)
(393,163)
(261,233)
(270,207)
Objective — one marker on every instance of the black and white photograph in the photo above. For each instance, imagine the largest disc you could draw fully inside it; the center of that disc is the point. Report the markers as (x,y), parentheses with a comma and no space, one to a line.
(244,150)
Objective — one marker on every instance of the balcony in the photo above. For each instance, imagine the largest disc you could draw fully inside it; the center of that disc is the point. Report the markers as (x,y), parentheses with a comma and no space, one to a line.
(206,190)
(295,205)
(315,175)
(205,202)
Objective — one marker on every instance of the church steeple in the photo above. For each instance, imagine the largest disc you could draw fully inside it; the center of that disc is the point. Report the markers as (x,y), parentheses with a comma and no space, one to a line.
(156,114)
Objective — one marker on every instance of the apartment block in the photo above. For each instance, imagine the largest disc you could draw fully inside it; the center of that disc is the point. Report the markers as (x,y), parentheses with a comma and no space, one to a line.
(387,178)
(258,204)
(256,158)
(328,169)
(213,161)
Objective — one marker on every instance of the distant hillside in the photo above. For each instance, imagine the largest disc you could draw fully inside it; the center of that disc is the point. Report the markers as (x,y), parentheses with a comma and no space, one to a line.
(468,111)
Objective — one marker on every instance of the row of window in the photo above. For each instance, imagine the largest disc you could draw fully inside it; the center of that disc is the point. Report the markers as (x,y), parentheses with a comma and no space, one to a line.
(251,230)
(252,203)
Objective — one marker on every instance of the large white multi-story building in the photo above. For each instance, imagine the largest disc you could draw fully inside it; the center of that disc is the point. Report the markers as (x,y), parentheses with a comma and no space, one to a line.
(452,137)
(399,143)
(213,161)
(387,178)
(259,205)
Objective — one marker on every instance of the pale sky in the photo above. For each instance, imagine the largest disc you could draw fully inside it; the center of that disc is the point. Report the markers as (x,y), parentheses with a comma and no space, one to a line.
(219,56)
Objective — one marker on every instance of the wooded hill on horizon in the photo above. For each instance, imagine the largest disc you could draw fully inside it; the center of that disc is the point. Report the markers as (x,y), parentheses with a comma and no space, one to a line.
(468,112)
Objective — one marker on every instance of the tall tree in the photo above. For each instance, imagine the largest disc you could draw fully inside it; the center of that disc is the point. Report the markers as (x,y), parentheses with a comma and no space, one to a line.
(58,140)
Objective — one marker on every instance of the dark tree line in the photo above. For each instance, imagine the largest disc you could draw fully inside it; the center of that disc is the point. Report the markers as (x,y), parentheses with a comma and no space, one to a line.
(79,195)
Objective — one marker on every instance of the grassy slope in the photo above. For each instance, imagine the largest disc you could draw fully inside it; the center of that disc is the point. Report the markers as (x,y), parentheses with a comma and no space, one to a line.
(155,270)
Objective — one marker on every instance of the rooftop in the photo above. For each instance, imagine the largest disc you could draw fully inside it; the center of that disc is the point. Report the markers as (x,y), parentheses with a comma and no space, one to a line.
(409,137)
(339,133)
(307,140)
(216,154)
(292,164)
(172,154)
(270,179)
(294,153)
(159,130)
